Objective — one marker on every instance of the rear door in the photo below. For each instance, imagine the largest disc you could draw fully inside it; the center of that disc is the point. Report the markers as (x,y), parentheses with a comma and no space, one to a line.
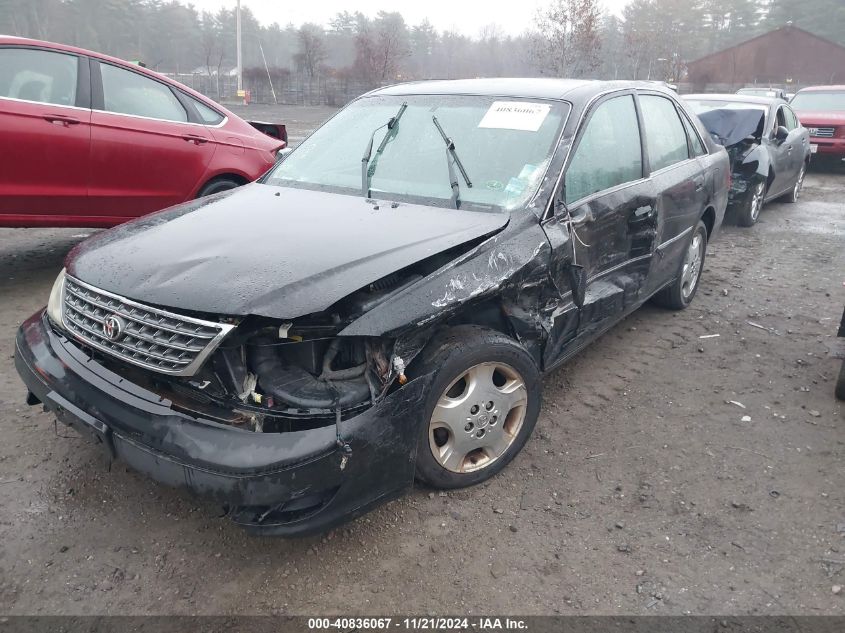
(145,153)
(46,136)
(679,180)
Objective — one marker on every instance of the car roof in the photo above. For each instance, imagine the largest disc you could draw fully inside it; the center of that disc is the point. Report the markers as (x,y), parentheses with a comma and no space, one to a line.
(822,89)
(537,88)
(737,98)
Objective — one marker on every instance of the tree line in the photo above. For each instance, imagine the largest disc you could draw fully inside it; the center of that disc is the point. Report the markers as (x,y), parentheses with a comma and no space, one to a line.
(652,39)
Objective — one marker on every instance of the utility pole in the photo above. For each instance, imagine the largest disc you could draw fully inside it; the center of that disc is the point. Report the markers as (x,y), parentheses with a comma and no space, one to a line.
(238,37)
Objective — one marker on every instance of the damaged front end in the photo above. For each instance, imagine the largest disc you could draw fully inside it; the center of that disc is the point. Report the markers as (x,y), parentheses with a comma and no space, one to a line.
(272,376)
(740,131)
(284,450)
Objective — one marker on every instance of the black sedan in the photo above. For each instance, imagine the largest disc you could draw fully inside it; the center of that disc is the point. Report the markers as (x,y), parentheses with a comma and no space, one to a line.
(383,304)
(769,148)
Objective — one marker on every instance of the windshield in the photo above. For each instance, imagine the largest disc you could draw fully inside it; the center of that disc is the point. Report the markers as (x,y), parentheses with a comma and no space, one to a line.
(503,143)
(706,105)
(819,101)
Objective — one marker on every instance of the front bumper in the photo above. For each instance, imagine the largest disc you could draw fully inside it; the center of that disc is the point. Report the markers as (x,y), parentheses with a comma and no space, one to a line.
(274,483)
(829,146)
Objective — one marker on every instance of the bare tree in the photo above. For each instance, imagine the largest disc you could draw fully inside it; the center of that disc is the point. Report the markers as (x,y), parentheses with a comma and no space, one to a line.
(381,46)
(566,41)
(312,50)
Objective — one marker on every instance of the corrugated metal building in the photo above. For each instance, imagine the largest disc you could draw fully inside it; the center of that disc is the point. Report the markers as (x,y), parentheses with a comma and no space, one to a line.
(787,57)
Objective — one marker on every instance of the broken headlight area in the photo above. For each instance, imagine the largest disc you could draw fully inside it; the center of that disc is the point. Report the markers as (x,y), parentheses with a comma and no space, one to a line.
(288,377)
(277,376)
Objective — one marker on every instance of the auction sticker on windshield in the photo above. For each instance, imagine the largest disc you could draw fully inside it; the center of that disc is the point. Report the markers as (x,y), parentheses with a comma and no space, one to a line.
(515,115)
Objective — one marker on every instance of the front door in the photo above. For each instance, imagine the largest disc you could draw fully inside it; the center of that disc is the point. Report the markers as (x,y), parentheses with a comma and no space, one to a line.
(46,137)
(145,155)
(606,224)
(783,153)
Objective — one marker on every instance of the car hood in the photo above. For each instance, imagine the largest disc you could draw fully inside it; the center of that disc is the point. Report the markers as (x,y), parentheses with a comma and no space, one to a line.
(730,126)
(270,251)
(820,119)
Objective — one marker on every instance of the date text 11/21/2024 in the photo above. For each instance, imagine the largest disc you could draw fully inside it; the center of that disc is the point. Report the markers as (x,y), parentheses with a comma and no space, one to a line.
(419,623)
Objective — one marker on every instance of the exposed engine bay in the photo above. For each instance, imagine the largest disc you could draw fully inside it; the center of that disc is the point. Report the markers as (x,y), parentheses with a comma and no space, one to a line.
(295,374)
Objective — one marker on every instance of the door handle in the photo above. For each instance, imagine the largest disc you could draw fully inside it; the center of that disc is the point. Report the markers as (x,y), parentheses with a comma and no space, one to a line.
(195,138)
(699,184)
(61,119)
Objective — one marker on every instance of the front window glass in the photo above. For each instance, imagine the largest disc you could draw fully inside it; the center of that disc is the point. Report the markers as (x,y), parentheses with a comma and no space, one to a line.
(819,101)
(791,119)
(126,92)
(503,143)
(42,76)
(609,152)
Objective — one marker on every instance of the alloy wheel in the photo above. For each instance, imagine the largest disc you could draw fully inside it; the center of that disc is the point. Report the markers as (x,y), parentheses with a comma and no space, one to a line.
(692,266)
(757,200)
(799,184)
(478,417)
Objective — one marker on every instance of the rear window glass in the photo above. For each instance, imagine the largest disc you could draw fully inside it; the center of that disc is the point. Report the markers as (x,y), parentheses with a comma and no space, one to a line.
(207,115)
(127,92)
(666,138)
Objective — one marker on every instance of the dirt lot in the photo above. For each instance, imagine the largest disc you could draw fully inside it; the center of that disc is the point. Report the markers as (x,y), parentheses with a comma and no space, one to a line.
(642,490)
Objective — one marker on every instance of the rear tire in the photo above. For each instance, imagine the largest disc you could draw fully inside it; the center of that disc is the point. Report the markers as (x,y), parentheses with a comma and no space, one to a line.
(748,214)
(218,185)
(482,404)
(680,293)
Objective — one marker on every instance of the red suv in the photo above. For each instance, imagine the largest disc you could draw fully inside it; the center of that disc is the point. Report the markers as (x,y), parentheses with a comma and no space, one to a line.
(90,140)
(821,110)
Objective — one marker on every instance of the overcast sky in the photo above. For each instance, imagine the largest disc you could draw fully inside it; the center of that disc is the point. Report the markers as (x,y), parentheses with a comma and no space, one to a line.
(465,16)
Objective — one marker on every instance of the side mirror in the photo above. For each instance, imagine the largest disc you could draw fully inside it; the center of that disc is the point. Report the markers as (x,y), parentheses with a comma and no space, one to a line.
(781,134)
(283,154)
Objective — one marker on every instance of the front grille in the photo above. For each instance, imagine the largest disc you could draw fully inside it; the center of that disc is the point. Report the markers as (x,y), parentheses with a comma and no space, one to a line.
(822,132)
(145,336)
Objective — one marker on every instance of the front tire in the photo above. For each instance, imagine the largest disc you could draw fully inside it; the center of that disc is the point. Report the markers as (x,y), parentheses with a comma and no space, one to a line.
(680,293)
(748,214)
(481,407)
(792,196)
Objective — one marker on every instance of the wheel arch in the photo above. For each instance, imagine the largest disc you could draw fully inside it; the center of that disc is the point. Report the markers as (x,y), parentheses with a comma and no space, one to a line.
(709,219)
(236,177)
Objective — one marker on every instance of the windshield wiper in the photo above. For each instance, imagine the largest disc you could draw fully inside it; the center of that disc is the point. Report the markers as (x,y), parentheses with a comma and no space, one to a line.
(367,170)
(452,159)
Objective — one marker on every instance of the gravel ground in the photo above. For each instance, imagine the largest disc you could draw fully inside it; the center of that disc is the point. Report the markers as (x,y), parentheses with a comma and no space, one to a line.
(643,490)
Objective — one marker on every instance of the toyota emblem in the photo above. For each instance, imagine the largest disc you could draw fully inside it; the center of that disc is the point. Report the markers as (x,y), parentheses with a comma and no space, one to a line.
(113,327)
